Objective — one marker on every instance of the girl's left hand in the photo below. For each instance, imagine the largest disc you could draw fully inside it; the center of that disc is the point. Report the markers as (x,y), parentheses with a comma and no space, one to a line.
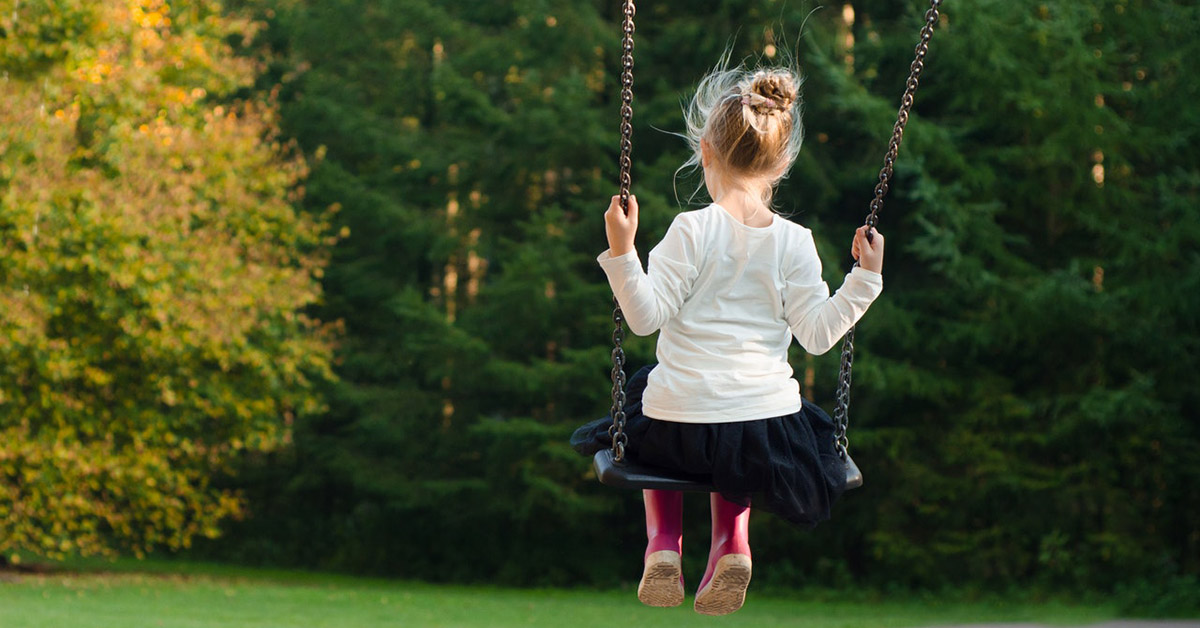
(619,227)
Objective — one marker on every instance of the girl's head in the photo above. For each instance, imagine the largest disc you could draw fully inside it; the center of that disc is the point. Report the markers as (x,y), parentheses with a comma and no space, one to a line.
(743,126)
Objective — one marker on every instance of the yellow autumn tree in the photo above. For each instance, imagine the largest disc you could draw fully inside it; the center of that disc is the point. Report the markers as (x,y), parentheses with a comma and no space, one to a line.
(154,273)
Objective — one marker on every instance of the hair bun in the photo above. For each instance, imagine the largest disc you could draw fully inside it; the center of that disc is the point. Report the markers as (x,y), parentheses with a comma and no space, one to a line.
(776,87)
(750,119)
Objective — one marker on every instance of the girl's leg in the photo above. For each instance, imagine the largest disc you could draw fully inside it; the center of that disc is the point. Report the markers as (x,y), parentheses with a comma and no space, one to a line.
(723,589)
(662,577)
(664,520)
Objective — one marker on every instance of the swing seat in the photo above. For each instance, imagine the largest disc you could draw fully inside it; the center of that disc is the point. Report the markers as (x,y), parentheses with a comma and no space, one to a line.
(627,474)
(631,475)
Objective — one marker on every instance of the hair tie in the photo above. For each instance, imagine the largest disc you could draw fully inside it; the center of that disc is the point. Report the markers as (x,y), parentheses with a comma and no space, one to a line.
(768,102)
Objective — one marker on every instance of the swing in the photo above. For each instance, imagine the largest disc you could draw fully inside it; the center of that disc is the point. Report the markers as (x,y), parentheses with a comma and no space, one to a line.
(610,465)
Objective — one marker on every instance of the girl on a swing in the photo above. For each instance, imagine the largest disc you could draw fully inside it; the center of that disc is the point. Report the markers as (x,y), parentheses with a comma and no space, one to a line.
(728,287)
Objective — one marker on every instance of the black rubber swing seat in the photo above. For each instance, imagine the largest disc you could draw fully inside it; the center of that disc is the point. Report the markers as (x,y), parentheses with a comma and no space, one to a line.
(631,475)
(627,474)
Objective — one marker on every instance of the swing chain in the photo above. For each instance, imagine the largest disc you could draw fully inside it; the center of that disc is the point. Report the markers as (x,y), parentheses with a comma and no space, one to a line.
(841,412)
(841,419)
(906,102)
(626,104)
(617,429)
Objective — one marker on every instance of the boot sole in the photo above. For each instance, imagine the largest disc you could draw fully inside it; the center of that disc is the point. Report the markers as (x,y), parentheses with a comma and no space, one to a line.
(660,585)
(726,591)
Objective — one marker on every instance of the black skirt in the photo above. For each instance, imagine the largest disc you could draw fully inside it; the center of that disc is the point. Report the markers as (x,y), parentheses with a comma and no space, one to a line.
(787,465)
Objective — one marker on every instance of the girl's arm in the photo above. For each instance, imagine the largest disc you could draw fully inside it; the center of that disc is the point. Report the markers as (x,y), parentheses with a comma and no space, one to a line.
(648,299)
(818,320)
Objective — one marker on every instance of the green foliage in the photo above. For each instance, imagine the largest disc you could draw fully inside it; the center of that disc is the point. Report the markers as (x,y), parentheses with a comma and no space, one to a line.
(1172,597)
(1040,286)
(153,274)
(1024,408)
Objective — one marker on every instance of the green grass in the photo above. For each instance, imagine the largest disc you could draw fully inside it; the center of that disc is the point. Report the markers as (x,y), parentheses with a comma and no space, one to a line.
(132,594)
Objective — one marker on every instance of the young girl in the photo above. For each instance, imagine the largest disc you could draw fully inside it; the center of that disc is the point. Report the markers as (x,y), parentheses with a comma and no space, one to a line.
(727,288)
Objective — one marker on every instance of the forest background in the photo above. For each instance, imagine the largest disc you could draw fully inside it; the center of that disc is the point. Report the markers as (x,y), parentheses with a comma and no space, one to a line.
(312,284)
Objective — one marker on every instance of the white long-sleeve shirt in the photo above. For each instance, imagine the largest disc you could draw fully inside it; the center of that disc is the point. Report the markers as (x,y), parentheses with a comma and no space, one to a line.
(728,298)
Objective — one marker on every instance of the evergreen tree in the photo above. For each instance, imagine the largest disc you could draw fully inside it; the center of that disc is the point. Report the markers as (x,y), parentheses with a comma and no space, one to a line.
(1023,409)
(463,144)
(1022,405)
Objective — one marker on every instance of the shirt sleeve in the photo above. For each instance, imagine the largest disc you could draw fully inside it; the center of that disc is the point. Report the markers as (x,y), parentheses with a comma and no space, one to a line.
(650,299)
(816,319)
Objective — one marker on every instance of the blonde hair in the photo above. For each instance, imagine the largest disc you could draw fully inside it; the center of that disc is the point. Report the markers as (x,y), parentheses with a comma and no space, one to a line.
(751,119)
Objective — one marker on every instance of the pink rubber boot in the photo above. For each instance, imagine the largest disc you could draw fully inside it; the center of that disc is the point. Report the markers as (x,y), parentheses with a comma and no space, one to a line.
(723,589)
(662,577)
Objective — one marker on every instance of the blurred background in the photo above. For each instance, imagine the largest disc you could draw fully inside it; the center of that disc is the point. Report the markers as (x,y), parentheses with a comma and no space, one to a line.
(311,284)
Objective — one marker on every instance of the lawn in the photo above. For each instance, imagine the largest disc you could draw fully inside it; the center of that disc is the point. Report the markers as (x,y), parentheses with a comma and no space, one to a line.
(132,594)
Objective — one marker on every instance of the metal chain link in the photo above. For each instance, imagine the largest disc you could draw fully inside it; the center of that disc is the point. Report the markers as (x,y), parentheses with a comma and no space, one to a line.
(841,413)
(617,430)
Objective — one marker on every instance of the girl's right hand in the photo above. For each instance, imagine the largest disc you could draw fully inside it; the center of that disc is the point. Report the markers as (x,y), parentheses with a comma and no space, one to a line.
(868,254)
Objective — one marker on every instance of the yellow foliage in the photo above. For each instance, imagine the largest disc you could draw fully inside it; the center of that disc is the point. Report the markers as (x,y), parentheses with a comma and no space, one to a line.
(150,288)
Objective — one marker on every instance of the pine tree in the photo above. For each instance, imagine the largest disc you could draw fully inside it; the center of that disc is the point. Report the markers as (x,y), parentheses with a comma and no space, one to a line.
(1022,403)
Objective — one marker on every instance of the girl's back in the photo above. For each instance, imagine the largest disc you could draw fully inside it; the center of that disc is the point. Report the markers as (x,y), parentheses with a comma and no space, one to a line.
(728,298)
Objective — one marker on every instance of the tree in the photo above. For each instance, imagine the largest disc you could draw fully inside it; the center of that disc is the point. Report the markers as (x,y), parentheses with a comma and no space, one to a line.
(1021,413)
(155,275)
(1008,411)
